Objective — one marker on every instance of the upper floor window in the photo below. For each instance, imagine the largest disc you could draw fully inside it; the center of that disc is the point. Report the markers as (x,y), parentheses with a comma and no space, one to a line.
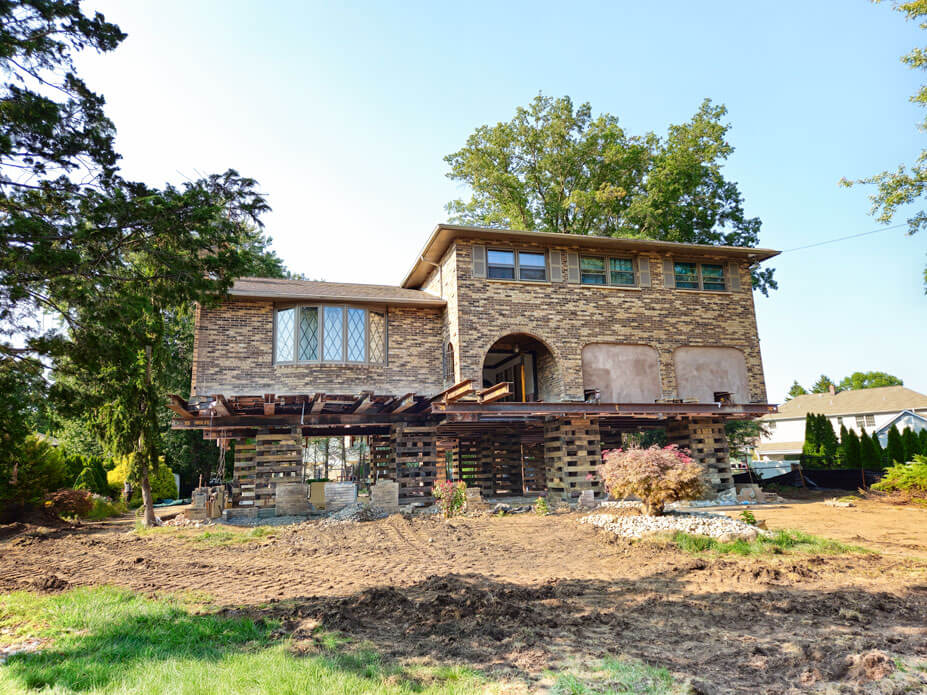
(865,421)
(695,276)
(330,333)
(599,270)
(521,265)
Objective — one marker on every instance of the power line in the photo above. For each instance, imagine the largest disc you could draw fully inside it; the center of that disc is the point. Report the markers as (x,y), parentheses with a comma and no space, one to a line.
(844,238)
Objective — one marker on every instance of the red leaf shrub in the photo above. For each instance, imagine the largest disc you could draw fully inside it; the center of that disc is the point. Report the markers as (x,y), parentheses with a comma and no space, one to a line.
(69,502)
(656,475)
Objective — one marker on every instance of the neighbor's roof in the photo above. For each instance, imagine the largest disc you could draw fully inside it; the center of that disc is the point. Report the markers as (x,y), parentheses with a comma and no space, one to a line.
(885,399)
(780,447)
(444,234)
(312,290)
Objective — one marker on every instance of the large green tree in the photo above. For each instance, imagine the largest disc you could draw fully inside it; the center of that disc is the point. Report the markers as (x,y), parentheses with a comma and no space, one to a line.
(894,447)
(868,380)
(903,189)
(795,390)
(555,167)
(823,384)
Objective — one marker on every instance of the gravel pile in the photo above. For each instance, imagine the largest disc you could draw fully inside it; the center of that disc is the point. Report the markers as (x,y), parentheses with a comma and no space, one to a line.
(355,512)
(698,523)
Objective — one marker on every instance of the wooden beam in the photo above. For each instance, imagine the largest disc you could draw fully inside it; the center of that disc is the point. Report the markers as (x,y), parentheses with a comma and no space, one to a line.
(405,403)
(318,402)
(179,406)
(221,405)
(459,386)
(494,393)
(363,403)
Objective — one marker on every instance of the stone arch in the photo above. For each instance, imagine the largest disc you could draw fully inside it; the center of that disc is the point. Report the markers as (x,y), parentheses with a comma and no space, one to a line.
(529,362)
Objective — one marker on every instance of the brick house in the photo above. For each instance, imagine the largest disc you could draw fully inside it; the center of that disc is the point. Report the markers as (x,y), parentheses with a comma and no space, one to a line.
(506,358)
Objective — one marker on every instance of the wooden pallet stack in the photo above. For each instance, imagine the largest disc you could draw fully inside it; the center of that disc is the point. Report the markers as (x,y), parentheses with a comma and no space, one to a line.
(503,459)
(447,460)
(415,457)
(381,458)
(244,474)
(572,451)
(706,441)
(278,459)
(469,464)
(533,467)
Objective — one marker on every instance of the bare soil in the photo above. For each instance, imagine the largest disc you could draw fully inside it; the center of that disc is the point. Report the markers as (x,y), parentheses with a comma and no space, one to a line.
(517,595)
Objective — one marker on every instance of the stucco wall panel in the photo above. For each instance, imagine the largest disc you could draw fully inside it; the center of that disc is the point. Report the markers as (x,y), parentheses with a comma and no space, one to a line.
(622,373)
(702,371)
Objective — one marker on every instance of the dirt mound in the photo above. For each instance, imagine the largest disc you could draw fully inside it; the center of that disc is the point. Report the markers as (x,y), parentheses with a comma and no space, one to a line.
(870,666)
(50,584)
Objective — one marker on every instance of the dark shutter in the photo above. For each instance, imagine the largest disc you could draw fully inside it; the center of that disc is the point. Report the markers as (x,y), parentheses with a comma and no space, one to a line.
(556,269)
(479,261)
(733,273)
(669,273)
(643,270)
(572,267)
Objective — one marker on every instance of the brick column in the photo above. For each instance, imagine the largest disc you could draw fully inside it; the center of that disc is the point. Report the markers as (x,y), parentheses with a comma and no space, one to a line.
(707,443)
(572,450)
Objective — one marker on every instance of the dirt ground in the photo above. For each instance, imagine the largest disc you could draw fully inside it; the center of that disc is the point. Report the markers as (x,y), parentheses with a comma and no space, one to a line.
(517,595)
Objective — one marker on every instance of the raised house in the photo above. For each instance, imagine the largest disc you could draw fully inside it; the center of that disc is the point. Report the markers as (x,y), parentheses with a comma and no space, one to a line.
(508,359)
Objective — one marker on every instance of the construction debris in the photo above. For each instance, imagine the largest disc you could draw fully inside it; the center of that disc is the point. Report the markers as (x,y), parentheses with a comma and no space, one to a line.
(354,513)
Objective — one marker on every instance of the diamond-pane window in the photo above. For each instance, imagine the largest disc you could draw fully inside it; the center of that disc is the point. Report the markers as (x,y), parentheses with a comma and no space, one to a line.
(308,347)
(377,337)
(285,325)
(334,333)
(357,335)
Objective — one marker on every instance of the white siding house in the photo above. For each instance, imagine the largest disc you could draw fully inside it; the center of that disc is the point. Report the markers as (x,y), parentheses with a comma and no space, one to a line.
(874,410)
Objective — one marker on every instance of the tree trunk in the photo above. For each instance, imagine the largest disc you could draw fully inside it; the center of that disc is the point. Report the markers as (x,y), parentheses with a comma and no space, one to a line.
(144,456)
(652,508)
(148,503)
(326,458)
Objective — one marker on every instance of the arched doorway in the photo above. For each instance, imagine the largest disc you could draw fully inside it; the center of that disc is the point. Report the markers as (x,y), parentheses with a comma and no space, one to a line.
(528,364)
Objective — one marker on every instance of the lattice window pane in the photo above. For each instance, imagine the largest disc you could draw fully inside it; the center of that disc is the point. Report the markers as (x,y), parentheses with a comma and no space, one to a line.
(377,337)
(286,319)
(334,334)
(308,346)
(357,335)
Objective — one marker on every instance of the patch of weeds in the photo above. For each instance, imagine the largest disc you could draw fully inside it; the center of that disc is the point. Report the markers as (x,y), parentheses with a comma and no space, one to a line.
(778,542)
(616,675)
(747,517)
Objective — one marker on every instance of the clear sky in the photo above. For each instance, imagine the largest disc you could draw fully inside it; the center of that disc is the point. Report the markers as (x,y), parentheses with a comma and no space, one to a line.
(344,111)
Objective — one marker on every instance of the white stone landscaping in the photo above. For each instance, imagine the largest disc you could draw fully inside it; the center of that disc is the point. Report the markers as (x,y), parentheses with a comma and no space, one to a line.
(715,526)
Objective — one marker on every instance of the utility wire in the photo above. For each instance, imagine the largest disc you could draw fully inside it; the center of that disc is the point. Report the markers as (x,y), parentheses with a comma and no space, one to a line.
(844,238)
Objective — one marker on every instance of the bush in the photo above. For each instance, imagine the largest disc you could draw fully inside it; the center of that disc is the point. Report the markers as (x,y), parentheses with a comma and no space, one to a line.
(541,507)
(92,477)
(656,475)
(161,480)
(37,469)
(905,477)
(450,497)
(104,508)
(69,502)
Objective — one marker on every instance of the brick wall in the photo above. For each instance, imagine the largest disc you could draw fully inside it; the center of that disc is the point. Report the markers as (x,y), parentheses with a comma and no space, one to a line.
(233,355)
(567,316)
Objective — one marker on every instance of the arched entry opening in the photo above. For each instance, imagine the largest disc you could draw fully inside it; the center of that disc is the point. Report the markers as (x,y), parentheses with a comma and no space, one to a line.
(528,364)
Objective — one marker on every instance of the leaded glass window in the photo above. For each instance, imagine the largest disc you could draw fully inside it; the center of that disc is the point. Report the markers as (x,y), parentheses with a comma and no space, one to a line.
(712,277)
(357,335)
(334,333)
(286,319)
(592,270)
(686,275)
(621,271)
(307,348)
(377,351)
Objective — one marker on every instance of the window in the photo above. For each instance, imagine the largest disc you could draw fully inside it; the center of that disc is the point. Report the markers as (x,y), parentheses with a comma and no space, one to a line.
(865,421)
(330,333)
(621,271)
(598,270)
(523,265)
(592,270)
(695,276)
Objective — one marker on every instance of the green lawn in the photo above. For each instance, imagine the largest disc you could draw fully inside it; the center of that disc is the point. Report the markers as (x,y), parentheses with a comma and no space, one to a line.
(106,640)
(778,542)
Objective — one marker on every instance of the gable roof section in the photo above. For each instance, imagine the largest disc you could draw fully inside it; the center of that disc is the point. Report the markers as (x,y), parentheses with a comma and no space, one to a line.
(312,290)
(444,234)
(885,399)
(909,413)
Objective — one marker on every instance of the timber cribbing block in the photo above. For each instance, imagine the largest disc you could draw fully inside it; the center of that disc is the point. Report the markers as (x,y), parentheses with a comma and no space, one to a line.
(415,457)
(262,463)
(381,464)
(707,443)
(572,451)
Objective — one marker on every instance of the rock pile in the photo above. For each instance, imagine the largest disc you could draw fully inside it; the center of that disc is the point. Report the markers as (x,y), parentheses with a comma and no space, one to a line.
(353,513)
(697,523)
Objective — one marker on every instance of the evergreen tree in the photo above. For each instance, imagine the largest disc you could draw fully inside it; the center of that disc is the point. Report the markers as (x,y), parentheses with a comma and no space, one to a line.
(812,440)
(895,447)
(823,384)
(877,445)
(868,455)
(829,441)
(922,438)
(795,390)
(842,449)
(912,445)
(853,450)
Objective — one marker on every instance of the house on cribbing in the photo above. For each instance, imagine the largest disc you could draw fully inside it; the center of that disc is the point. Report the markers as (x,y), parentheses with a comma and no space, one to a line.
(509,359)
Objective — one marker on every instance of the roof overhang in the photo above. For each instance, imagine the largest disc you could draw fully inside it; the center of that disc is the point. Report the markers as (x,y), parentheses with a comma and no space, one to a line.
(445,234)
(427,301)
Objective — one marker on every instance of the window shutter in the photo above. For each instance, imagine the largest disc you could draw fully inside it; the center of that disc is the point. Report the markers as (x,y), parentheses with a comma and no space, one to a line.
(572,267)
(479,261)
(556,270)
(733,272)
(643,269)
(669,277)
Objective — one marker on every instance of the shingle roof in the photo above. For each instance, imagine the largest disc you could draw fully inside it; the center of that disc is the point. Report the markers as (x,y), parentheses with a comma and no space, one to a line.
(780,447)
(879,400)
(312,290)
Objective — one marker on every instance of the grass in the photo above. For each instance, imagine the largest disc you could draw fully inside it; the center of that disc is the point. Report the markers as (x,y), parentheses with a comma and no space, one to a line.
(210,536)
(106,641)
(778,542)
(616,676)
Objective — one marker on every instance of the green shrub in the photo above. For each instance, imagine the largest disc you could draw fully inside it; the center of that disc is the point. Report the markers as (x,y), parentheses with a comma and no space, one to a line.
(92,476)
(37,469)
(450,497)
(541,507)
(161,480)
(905,477)
(103,508)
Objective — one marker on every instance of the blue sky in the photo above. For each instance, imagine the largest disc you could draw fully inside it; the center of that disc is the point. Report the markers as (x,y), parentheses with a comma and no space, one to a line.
(344,112)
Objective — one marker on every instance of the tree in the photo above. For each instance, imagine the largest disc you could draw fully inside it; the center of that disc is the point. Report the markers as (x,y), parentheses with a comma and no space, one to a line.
(844,435)
(922,438)
(868,380)
(852,449)
(742,435)
(656,476)
(796,390)
(868,454)
(812,445)
(556,168)
(912,445)
(905,186)
(895,446)
(877,446)
(823,384)
(828,439)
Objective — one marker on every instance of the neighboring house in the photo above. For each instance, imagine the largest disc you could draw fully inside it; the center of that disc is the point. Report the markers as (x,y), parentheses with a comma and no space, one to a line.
(874,410)
(511,357)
